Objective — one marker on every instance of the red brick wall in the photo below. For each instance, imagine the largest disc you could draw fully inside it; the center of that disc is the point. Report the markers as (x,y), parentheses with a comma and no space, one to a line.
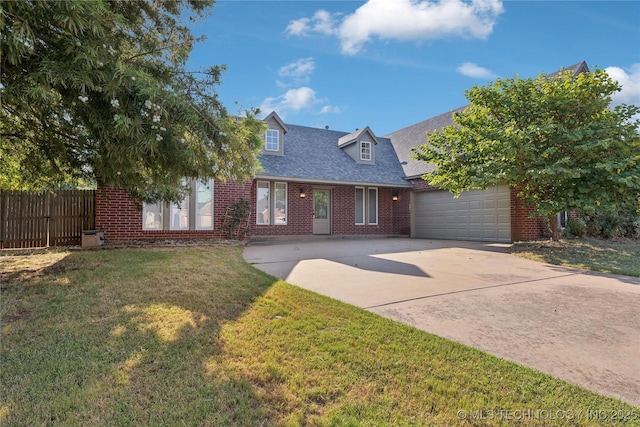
(524,227)
(421,184)
(393,216)
(121,218)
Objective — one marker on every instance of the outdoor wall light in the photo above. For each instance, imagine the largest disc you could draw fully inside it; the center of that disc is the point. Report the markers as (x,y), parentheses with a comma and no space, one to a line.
(395,196)
(302,193)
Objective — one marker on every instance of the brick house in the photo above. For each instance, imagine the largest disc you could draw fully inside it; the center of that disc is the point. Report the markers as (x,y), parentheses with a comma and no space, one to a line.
(325,182)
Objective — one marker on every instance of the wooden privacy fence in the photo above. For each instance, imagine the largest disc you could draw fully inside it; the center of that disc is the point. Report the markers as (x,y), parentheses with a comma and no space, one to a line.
(29,220)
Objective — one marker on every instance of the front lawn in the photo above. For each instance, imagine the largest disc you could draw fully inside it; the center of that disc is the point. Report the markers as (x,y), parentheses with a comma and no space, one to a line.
(196,336)
(608,256)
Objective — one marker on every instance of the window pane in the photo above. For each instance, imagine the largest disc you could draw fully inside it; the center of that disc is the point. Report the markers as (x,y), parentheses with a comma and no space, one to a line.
(179,215)
(321,204)
(204,205)
(272,142)
(281,203)
(359,205)
(262,208)
(152,216)
(365,150)
(373,206)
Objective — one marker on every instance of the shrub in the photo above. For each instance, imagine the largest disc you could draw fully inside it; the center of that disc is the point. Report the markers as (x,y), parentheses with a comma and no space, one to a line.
(609,225)
(635,229)
(576,227)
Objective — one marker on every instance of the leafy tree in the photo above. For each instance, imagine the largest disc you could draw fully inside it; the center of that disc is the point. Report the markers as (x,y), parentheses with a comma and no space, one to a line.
(553,138)
(98,90)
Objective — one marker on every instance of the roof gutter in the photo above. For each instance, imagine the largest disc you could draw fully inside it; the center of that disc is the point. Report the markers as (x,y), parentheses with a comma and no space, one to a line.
(332,182)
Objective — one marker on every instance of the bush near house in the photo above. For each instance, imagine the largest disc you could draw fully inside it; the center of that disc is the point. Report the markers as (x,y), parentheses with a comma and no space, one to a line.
(610,225)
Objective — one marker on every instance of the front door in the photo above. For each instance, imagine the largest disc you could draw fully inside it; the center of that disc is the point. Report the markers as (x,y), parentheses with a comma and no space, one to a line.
(321,211)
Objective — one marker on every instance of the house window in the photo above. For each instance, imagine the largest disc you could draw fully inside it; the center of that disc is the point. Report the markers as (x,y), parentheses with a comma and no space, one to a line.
(204,205)
(365,150)
(272,140)
(280,210)
(563,219)
(179,215)
(372,217)
(359,206)
(366,206)
(271,210)
(152,216)
(262,204)
(193,213)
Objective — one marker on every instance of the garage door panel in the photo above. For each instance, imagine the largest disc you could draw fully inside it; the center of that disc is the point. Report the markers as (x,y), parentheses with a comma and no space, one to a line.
(483,215)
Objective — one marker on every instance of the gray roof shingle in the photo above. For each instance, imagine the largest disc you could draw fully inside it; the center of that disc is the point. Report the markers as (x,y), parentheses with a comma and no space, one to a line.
(404,140)
(312,154)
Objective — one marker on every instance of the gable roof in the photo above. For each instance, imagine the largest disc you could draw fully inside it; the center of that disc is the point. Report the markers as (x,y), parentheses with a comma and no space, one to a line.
(355,136)
(276,117)
(313,155)
(580,67)
(405,139)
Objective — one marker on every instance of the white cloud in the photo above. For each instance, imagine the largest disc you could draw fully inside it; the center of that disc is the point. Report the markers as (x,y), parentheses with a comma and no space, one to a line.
(403,20)
(299,70)
(330,109)
(322,22)
(469,69)
(299,27)
(292,100)
(630,82)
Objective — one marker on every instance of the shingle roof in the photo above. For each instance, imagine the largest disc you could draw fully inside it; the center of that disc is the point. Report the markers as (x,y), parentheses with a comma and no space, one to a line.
(345,140)
(312,154)
(404,140)
(580,67)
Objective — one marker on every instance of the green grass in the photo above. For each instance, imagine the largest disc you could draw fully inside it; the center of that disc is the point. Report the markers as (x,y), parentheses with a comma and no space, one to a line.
(195,336)
(617,257)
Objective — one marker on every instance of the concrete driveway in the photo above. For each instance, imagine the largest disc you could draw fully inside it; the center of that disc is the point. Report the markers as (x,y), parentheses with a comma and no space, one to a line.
(579,326)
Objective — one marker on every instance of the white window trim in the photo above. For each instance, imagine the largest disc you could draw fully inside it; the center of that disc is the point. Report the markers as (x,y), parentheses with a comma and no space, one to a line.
(368,204)
(209,183)
(144,217)
(175,208)
(362,146)
(266,140)
(268,203)
(166,210)
(286,203)
(364,205)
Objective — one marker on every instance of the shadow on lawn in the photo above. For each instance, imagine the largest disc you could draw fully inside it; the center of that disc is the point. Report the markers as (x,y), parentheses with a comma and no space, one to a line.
(131,337)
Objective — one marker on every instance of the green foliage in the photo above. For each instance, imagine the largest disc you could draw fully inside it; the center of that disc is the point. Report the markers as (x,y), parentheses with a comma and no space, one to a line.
(235,222)
(556,140)
(98,90)
(576,227)
(612,224)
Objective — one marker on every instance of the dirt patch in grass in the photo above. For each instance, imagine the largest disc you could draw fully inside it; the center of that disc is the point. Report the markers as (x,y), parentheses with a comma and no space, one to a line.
(607,256)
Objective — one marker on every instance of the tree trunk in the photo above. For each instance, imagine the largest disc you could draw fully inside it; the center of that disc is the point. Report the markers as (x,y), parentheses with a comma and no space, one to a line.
(553,225)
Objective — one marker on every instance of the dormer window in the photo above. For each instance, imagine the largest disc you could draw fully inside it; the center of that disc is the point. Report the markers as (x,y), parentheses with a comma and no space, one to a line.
(272,140)
(360,145)
(365,151)
(274,136)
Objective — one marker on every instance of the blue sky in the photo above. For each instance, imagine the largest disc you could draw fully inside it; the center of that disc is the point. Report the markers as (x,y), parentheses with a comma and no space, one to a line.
(389,64)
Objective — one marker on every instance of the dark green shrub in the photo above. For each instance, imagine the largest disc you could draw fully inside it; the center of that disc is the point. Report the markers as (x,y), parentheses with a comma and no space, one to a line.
(576,227)
(635,229)
(609,225)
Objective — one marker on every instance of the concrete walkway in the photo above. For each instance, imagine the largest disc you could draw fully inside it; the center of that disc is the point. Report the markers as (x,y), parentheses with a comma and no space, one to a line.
(579,326)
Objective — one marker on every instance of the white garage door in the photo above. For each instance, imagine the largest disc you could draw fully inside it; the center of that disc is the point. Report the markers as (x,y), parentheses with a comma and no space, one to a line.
(481,215)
